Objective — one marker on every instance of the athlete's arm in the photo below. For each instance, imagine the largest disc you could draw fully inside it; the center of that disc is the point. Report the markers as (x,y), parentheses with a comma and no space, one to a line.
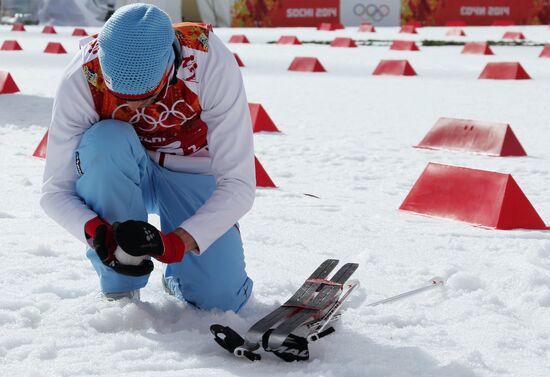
(230,145)
(73,113)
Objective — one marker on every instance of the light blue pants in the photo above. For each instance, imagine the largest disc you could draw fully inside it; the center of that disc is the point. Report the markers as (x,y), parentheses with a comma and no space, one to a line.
(120,182)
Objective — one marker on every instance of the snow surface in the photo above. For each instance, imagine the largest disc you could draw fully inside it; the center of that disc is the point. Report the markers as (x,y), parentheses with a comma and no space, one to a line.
(346,137)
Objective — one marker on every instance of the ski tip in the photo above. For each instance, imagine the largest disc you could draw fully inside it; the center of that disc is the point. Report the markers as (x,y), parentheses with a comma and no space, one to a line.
(437,281)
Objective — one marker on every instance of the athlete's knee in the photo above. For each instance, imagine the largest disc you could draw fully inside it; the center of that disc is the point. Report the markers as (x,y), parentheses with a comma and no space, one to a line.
(109,143)
(108,137)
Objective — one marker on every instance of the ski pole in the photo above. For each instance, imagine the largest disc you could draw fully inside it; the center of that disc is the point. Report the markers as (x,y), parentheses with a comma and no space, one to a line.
(434,282)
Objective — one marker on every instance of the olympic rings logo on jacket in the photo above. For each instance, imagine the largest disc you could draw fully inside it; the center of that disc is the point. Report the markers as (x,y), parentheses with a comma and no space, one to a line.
(168,118)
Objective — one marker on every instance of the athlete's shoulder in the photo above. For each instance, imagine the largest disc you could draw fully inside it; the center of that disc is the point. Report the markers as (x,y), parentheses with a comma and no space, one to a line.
(90,62)
(89,48)
(193,35)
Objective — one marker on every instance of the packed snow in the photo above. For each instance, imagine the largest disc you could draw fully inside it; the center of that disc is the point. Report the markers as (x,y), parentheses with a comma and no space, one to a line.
(346,138)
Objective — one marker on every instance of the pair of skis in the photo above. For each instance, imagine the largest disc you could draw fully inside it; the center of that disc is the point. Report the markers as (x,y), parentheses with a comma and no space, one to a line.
(311,309)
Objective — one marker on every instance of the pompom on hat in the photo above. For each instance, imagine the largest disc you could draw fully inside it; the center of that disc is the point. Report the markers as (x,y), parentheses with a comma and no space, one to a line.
(135,50)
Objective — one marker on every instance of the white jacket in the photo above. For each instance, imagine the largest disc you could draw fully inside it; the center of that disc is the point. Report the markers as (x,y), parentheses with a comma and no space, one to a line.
(229,154)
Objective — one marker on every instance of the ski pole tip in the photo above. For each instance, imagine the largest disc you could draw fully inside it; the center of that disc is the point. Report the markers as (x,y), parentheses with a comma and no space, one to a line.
(437,281)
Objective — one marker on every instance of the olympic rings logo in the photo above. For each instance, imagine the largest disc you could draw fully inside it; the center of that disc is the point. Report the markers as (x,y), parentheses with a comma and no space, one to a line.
(371,11)
(146,122)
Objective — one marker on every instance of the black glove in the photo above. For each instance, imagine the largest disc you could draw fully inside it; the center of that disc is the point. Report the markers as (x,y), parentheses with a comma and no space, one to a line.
(104,244)
(140,238)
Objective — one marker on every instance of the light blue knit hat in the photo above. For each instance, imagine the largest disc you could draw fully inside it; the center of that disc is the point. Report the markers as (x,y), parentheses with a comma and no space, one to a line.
(135,49)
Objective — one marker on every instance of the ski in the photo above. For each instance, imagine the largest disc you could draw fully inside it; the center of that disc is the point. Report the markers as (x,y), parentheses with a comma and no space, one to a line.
(326,297)
(245,347)
(301,297)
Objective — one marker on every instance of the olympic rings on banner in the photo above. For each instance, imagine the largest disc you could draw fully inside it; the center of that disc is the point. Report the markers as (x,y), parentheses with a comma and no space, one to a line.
(371,11)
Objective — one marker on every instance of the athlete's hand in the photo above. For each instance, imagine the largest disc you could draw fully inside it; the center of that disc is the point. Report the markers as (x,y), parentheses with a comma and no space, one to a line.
(103,240)
(140,238)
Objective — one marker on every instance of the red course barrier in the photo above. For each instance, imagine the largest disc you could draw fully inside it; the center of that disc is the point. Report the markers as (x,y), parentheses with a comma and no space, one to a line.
(49,29)
(40,151)
(545,53)
(288,40)
(239,38)
(394,68)
(456,33)
(262,178)
(404,46)
(79,32)
(7,85)
(367,28)
(343,42)
(261,121)
(478,197)
(18,27)
(496,139)
(477,48)
(326,26)
(504,71)
(55,48)
(516,35)
(306,64)
(11,45)
(239,61)
(408,29)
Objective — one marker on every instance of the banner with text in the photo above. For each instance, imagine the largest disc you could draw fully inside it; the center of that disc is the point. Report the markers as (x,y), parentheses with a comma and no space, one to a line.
(476,12)
(284,13)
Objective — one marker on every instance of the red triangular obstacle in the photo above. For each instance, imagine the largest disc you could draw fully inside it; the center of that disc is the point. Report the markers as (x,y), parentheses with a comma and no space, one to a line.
(306,64)
(18,27)
(327,26)
(40,151)
(261,121)
(545,53)
(79,32)
(7,85)
(343,42)
(262,178)
(238,38)
(408,29)
(517,35)
(238,59)
(504,71)
(456,33)
(477,197)
(55,48)
(477,48)
(288,40)
(367,28)
(496,139)
(49,29)
(404,46)
(394,68)
(11,46)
